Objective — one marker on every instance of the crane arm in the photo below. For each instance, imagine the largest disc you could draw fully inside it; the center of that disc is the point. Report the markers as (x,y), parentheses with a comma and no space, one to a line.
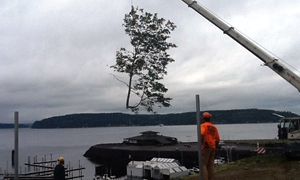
(272,62)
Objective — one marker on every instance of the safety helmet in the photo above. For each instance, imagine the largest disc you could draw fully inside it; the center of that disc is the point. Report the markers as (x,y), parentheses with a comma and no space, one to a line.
(206,115)
(61,159)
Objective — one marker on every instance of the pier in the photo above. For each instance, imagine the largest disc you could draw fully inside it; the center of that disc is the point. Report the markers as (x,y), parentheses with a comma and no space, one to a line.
(43,170)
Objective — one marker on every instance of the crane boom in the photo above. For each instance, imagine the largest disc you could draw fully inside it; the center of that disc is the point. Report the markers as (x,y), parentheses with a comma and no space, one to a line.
(272,62)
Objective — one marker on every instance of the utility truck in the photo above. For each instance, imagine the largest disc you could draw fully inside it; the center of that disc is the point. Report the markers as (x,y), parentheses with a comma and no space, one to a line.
(288,127)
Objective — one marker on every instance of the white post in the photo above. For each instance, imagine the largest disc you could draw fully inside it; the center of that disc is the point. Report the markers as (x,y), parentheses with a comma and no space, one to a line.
(199,137)
(16,154)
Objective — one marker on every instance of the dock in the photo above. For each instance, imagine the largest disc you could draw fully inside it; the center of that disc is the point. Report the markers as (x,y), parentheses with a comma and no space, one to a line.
(43,170)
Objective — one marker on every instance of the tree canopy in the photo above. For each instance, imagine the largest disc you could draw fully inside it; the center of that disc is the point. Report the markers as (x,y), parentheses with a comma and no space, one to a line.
(146,64)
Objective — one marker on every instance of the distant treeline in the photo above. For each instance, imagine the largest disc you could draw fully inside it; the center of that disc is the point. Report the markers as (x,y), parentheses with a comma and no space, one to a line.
(8,126)
(188,118)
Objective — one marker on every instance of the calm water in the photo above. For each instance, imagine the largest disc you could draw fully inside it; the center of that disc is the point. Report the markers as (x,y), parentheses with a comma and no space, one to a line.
(72,143)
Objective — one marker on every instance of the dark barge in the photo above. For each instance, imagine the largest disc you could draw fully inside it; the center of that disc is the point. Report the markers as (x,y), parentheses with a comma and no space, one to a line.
(114,157)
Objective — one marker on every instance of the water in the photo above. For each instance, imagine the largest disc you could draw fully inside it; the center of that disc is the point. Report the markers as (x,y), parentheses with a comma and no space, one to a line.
(73,143)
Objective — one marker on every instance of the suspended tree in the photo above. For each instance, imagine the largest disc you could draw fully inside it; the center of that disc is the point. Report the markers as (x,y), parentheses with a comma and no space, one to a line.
(147,63)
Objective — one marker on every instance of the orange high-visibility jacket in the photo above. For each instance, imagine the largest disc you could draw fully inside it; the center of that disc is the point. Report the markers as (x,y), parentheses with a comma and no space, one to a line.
(210,135)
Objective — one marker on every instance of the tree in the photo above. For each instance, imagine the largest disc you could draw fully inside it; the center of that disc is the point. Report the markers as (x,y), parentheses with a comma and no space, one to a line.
(147,63)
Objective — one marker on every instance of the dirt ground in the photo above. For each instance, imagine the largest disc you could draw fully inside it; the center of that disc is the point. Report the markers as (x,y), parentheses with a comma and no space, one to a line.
(266,167)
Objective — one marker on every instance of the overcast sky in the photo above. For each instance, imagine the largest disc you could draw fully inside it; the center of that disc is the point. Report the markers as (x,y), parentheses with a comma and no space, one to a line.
(55,56)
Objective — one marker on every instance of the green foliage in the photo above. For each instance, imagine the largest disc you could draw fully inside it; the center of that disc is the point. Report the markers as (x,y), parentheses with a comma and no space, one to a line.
(147,64)
(188,118)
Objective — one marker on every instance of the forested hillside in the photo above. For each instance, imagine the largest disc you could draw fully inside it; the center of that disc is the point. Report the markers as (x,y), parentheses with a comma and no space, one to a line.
(9,126)
(188,118)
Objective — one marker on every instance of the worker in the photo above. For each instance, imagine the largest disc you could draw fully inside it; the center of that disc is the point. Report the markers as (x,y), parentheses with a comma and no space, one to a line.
(59,170)
(210,139)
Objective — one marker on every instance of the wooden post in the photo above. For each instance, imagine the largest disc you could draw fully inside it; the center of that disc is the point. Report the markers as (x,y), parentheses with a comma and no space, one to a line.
(16,152)
(199,137)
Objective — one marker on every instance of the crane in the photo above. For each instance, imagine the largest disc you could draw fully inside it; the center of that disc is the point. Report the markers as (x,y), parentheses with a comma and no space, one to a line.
(270,61)
(288,127)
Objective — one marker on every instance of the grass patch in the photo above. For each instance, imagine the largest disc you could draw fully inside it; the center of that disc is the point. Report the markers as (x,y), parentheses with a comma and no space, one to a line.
(267,167)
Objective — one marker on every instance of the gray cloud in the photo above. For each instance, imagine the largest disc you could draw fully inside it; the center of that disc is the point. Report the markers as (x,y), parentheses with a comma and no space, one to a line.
(55,56)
